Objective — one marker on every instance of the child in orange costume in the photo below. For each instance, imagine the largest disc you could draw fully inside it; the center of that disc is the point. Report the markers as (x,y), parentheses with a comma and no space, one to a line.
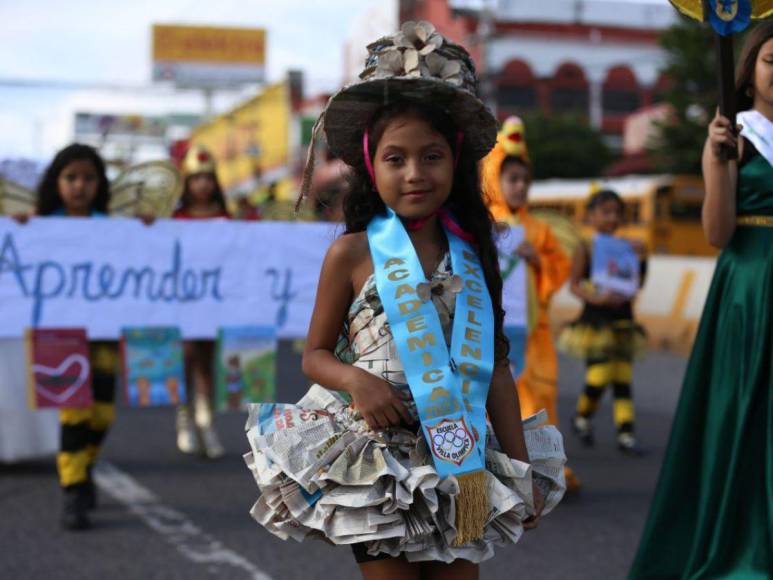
(506,180)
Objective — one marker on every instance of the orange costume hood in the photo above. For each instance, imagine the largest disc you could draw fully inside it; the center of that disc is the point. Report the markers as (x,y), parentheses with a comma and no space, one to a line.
(510,143)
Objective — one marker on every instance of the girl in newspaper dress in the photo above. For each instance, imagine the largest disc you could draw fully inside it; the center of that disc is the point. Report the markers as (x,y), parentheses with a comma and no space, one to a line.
(409,448)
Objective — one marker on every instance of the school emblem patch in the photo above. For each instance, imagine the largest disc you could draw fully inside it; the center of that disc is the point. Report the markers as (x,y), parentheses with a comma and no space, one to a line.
(451,440)
(727,10)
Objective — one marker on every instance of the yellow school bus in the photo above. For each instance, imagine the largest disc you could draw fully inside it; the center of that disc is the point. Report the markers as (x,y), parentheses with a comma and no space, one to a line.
(664,211)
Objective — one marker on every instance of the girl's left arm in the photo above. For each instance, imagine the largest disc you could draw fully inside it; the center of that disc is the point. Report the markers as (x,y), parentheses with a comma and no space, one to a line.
(504,411)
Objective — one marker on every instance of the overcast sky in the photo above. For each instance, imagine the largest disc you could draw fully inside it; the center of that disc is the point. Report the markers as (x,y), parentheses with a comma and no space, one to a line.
(108,41)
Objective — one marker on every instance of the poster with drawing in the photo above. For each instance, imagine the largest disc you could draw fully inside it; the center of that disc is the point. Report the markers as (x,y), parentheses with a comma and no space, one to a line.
(614,265)
(246,366)
(152,362)
(58,368)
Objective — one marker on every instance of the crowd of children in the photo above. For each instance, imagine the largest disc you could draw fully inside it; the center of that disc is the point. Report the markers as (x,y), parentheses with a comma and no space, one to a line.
(414,418)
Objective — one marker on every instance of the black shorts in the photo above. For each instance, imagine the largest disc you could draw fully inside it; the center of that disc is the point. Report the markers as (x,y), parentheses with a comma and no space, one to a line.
(361,554)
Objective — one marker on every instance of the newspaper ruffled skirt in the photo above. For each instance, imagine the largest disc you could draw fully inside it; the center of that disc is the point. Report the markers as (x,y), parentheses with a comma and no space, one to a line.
(323,473)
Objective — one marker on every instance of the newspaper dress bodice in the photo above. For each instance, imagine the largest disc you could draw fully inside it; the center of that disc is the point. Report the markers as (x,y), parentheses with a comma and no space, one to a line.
(366,341)
(324,473)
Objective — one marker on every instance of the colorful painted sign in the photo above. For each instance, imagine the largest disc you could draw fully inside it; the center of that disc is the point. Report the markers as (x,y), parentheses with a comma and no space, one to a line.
(246,366)
(152,362)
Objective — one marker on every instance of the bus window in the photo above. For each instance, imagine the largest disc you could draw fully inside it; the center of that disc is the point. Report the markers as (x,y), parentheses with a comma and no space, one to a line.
(685,211)
(662,202)
(632,212)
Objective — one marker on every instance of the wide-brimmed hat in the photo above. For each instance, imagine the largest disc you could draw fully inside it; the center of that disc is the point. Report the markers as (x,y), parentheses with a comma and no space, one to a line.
(415,64)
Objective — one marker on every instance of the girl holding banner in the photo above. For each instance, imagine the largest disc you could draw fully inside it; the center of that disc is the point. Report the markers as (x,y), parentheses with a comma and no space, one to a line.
(410,448)
(712,514)
(202,198)
(76,185)
(607,273)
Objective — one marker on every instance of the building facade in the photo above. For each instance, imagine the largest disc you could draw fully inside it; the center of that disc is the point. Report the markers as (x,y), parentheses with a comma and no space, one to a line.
(596,58)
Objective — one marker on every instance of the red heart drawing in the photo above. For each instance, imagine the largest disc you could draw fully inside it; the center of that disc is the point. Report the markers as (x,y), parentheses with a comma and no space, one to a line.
(65,394)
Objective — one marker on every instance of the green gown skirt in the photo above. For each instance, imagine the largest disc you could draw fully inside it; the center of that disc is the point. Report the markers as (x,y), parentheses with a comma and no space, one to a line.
(712,514)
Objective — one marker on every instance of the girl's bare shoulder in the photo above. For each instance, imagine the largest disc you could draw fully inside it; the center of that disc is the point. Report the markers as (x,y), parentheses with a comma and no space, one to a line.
(349,256)
(349,251)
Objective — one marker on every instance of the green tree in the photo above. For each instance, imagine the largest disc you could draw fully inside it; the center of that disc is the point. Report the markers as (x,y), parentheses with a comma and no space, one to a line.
(565,146)
(691,69)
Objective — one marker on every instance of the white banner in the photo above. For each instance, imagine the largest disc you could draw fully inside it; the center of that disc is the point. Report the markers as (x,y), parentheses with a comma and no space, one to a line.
(104,274)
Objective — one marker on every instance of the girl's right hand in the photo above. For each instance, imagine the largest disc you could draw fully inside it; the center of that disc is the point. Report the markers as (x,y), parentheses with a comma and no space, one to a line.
(21,218)
(378,402)
(721,134)
(539,504)
(146,218)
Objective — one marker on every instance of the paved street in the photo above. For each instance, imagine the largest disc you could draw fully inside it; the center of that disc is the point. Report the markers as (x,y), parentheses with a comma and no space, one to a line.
(170,516)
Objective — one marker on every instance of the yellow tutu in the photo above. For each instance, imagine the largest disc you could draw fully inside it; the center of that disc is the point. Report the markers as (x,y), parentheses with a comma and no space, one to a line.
(620,339)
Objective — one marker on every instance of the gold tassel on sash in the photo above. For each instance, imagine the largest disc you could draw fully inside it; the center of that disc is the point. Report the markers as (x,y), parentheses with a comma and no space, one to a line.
(472,507)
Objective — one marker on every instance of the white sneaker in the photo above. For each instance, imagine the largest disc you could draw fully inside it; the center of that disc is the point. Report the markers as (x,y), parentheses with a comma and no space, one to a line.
(213,449)
(628,445)
(187,438)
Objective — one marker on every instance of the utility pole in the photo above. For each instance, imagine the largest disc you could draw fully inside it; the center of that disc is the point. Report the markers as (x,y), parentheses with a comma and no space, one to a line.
(485,33)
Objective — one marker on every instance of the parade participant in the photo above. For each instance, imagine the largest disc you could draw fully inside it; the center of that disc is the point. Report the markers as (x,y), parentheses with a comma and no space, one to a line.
(202,198)
(507,174)
(76,185)
(605,335)
(712,514)
(391,451)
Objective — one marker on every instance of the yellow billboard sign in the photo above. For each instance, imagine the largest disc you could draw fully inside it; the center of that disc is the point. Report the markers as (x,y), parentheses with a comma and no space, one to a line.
(205,55)
(251,143)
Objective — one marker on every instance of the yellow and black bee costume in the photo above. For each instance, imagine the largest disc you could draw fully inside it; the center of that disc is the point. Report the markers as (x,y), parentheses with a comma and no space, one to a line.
(609,339)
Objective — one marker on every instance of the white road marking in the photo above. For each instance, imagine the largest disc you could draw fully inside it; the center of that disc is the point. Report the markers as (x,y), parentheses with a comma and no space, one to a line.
(190,540)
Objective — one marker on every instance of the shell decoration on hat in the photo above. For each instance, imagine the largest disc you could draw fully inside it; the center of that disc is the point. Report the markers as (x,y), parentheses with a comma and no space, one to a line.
(412,54)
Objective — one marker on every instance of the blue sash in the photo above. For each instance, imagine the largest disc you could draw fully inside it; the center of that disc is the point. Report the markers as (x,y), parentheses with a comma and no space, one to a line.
(450,389)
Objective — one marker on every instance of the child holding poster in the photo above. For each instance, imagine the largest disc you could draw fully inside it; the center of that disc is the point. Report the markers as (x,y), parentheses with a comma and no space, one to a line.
(507,176)
(391,451)
(76,185)
(202,198)
(606,275)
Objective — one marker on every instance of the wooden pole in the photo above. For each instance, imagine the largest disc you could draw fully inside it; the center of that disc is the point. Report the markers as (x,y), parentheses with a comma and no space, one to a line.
(726,79)
(727,105)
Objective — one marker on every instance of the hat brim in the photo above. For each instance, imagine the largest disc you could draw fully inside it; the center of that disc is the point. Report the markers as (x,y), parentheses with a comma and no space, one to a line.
(351,110)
